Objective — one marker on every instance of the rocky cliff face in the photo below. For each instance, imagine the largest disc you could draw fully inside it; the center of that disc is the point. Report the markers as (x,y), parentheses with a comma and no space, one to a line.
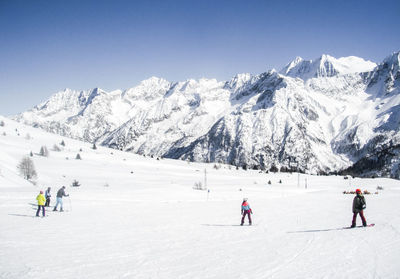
(319,116)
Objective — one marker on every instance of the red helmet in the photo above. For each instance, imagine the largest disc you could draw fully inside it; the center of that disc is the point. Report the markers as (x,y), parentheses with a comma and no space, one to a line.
(358,191)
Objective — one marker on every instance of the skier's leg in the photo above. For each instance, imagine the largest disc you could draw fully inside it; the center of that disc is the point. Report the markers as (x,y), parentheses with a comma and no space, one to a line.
(38,210)
(249,216)
(363,218)
(43,211)
(244,214)
(55,207)
(353,223)
(61,204)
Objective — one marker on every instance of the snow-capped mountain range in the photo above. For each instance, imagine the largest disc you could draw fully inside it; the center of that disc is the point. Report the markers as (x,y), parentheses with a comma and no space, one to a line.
(318,116)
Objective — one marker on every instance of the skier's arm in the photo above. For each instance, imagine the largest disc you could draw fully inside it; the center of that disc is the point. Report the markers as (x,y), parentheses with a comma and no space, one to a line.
(354,204)
(65,195)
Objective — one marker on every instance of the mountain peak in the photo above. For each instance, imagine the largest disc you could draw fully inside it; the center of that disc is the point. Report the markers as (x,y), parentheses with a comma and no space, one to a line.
(153,81)
(394,58)
(326,66)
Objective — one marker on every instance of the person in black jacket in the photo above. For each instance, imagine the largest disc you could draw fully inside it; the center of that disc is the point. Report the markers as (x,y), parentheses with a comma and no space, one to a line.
(47,195)
(359,205)
(60,195)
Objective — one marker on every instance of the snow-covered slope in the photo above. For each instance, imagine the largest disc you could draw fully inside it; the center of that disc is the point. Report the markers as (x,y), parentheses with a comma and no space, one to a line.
(316,116)
(139,217)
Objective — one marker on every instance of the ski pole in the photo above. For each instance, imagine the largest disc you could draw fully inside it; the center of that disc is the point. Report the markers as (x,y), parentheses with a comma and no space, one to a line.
(70,203)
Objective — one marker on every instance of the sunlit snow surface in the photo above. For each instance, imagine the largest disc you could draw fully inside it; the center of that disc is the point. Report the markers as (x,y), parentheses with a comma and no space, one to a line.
(136,217)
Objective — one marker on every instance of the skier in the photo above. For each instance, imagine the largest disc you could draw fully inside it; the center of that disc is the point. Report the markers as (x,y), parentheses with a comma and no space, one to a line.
(60,195)
(47,195)
(246,210)
(359,205)
(41,200)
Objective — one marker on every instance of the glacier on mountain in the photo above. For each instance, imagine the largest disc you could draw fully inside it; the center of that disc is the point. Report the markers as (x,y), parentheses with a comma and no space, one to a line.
(318,116)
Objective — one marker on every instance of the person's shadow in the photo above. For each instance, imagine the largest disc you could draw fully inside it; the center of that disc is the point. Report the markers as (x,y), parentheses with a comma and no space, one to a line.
(21,215)
(220,225)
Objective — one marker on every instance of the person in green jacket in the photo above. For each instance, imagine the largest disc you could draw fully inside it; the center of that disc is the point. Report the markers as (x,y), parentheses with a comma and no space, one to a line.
(41,201)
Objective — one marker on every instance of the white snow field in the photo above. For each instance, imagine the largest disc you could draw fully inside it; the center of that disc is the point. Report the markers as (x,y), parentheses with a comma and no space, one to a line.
(136,217)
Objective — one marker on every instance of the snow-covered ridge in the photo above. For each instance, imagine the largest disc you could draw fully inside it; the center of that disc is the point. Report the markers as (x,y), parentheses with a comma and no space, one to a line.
(319,116)
(326,66)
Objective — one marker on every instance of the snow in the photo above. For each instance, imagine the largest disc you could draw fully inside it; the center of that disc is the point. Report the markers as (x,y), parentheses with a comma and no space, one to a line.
(326,66)
(152,224)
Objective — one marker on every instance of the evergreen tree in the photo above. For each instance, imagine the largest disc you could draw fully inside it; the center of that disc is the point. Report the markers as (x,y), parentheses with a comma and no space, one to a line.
(56,148)
(44,151)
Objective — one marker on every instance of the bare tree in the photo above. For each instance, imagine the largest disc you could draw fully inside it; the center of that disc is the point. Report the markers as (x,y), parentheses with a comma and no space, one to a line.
(27,168)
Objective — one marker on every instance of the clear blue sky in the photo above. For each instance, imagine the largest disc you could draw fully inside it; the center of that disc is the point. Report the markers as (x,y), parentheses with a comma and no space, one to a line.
(46,46)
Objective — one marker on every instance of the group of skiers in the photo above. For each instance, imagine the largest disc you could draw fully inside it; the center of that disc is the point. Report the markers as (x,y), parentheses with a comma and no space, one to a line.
(44,200)
(359,205)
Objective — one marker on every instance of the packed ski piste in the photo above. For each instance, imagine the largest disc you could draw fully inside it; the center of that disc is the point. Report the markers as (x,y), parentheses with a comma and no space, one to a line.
(143,217)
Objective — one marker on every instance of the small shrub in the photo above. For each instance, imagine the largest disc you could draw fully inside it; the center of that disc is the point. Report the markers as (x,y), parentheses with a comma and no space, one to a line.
(94,147)
(2,124)
(31,154)
(269,182)
(4,134)
(78,157)
(28,136)
(75,183)
(379,188)
(199,186)
(62,143)
(280,181)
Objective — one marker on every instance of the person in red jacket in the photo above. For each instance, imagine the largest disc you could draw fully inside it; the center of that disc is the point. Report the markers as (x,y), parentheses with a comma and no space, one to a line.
(246,210)
(359,205)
